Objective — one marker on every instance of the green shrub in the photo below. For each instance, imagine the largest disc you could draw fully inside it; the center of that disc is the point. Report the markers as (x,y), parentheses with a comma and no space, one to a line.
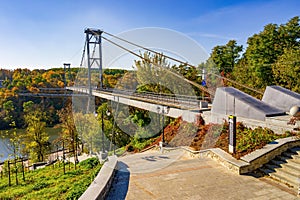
(89,163)
(40,185)
(140,144)
(75,192)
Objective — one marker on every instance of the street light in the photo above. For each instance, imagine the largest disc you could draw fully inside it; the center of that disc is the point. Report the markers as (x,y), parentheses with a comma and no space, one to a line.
(163,111)
(108,114)
(102,130)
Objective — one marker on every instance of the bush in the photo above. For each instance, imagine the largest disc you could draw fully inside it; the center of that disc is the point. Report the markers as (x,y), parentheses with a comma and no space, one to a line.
(139,144)
(75,192)
(40,185)
(89,163)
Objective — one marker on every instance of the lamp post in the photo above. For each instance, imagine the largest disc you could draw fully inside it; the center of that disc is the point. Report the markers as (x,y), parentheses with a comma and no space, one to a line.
(164,110)
(108,114)
(102,130)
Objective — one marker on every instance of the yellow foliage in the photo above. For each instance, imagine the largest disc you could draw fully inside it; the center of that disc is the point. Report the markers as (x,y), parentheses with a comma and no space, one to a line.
(60,84)
(33,89)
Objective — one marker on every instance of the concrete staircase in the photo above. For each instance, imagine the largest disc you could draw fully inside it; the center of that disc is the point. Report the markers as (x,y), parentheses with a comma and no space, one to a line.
(285,168)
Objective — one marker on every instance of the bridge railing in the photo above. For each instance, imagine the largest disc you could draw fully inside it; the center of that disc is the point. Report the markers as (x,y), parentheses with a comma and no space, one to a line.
(161,97)
(181,100)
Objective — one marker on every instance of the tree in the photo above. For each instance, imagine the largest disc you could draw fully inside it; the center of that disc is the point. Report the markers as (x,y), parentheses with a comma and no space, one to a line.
(155,74)
(265,48)
(69,134)
(287,69)
(114,130)
(225,57)
(36,139)
(14,138)
(88,130)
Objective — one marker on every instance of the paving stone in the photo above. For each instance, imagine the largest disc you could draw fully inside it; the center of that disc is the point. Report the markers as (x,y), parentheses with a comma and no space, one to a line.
(169,177)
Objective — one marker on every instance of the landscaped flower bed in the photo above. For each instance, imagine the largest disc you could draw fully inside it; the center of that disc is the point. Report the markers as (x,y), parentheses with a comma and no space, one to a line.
(199,136)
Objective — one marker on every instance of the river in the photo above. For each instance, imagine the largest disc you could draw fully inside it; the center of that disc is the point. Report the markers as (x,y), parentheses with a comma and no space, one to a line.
(5,151)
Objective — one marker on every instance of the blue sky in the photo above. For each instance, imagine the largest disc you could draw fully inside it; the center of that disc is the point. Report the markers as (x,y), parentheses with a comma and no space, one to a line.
(47,33)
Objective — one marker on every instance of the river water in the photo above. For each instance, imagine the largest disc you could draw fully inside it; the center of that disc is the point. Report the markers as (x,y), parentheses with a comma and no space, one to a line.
(5,151)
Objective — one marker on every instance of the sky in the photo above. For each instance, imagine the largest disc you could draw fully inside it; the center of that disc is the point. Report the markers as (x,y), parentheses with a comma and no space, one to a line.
(48,33)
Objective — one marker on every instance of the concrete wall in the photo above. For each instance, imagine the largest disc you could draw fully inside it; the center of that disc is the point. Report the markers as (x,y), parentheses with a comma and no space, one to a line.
(262,156)
(231,101)
(251,161)
(281,98)
(101,184)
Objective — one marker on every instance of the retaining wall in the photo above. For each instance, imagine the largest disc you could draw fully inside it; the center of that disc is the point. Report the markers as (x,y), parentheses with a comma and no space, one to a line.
(101,184)
(251,161)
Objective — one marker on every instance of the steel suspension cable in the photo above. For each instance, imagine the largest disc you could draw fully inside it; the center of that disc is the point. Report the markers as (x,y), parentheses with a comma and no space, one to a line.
(174,59)
(147,49)
(83,53)
(148,60)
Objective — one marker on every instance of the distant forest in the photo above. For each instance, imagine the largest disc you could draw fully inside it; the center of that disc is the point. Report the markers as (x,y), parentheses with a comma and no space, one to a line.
(25,80)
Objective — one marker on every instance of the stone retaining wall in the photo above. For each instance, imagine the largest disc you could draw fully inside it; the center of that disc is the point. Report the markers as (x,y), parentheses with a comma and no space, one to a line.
(251,161)
(262,156)
(101,184)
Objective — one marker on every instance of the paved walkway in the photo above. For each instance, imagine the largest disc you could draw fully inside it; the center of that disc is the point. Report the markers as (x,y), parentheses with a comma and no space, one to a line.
(172,175)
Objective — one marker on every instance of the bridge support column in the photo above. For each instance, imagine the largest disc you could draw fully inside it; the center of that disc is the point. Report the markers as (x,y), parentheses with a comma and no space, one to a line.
(93,39)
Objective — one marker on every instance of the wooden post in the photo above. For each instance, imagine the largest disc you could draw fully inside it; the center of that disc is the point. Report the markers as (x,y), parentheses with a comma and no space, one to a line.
(64,157)
(23,170)
(16,172)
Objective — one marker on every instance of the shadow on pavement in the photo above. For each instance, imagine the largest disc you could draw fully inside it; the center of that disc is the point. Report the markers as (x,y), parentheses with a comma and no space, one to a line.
(119,188)
(155,158)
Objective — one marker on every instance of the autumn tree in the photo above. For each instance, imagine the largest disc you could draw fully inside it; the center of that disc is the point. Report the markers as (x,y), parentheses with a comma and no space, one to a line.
(155,74)
(69,135)
(36,139)
(88,130)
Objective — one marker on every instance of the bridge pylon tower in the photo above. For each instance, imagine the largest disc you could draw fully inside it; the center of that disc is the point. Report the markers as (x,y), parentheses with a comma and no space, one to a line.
(94,57)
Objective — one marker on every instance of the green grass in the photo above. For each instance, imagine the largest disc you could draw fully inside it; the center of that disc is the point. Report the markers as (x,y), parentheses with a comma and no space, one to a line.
(51,183)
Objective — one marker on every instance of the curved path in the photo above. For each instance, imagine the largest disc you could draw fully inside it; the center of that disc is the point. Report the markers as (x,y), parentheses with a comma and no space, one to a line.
(173,175)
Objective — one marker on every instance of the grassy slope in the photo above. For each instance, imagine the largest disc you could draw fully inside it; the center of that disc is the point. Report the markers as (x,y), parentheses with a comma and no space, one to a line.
(50,183)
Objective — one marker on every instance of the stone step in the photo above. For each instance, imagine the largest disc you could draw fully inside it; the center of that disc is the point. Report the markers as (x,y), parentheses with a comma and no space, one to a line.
(288,159)
(283,175)
(285,164)
(266,171)
(291,154)
(292,167)
(278,162)
(295,150)
(285,168)
(284,180)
